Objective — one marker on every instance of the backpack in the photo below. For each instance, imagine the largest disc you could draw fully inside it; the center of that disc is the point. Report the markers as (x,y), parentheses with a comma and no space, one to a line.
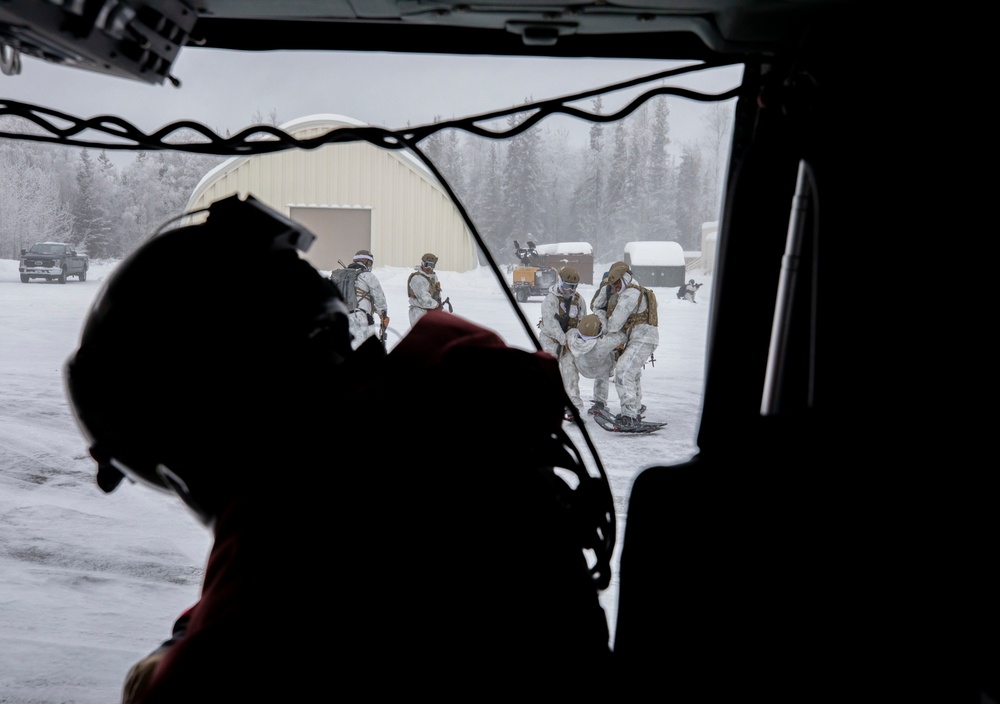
(649,316)
(435,292)
(346,280)
(652,314)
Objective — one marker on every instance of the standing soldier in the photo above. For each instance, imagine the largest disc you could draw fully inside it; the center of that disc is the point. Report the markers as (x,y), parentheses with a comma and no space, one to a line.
(562,310)
(423,288)
(370,300)
(631,309)
(599,303)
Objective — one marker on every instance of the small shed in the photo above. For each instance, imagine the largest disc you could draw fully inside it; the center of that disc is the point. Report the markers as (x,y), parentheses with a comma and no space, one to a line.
(579,255)
(657,263)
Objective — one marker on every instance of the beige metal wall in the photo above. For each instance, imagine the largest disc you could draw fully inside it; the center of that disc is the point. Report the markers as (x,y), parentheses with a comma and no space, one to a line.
(410,212)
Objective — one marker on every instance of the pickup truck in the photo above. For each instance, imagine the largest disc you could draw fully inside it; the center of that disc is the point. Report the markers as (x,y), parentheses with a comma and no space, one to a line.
(52,260)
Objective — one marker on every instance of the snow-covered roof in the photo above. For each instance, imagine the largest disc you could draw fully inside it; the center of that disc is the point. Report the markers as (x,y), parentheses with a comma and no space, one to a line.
(565,248)
(655,253)
(329,121)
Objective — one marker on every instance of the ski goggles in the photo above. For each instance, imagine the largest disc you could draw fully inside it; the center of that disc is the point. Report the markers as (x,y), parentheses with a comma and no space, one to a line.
(569,287)
(427,265)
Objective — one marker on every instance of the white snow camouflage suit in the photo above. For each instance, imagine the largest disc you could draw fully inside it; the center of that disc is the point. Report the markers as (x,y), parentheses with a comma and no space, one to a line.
(590,358)
(371,307)
(643,338)
(423,294)
(559,304)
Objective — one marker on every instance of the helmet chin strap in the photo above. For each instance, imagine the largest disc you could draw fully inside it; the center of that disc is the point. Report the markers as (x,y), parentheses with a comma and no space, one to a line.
(180,487)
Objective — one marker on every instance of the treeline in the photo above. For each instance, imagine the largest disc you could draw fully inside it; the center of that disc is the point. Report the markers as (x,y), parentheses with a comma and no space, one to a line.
(80,196)
(625,184)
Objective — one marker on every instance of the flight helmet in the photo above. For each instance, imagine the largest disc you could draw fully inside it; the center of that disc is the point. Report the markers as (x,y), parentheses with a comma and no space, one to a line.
(175,381)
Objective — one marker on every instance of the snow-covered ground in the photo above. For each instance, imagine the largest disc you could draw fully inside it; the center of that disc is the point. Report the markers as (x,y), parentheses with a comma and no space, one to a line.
(89,582)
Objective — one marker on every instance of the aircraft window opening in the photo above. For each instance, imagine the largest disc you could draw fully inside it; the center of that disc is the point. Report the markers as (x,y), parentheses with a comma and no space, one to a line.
(605,168)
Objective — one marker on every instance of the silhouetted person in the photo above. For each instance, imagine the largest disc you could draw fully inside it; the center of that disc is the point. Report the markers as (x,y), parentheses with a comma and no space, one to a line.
(328,575)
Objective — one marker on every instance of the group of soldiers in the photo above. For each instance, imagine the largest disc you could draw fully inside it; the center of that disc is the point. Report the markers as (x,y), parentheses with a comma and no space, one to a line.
(614,340)
(371,316)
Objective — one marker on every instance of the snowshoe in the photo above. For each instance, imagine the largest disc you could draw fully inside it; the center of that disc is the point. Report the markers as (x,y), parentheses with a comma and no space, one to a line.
(598,408)
(626,424)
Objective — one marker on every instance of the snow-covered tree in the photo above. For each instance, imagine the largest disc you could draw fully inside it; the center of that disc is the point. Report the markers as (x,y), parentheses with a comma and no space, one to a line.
(559,166)
(718,135)
(620,196)
(607,192)
(690,191)
(30,208)
(660,221)
(91,227)
(590,217)
(524,182)
(483,195)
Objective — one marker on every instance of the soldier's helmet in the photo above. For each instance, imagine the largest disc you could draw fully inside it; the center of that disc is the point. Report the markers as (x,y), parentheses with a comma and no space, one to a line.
(617,272)
(364,257)
(429,260)
(590,326)
(569,276)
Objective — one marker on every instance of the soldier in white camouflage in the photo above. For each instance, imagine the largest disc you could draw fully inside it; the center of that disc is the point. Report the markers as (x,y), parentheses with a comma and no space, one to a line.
(371,314)
(631,309)
(592,356)
(423,289)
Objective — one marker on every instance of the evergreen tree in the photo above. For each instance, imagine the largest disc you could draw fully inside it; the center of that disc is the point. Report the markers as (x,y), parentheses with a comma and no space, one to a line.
(589,216)
(140,190)
(30,208)
(620,203)
(661,221)
(640,158)
(718,122)
(434,148)
(604,194)
(523,179)
(90,226)
(690,212)
(559,164)
(482,188)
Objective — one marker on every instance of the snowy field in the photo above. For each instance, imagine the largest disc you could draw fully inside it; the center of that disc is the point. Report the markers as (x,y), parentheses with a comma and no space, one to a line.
(89,582)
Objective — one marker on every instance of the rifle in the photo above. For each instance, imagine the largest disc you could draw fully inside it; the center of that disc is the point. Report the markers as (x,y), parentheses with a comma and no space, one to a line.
(383,334)
(448,302)
(563,320)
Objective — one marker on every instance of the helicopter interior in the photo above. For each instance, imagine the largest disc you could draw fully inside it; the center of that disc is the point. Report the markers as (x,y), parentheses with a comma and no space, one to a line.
(770,564)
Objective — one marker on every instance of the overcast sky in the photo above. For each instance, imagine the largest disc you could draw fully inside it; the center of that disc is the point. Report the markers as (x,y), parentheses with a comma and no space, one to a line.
(225,90)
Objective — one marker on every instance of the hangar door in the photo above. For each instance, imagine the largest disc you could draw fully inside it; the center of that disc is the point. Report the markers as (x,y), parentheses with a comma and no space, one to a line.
(340,232)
